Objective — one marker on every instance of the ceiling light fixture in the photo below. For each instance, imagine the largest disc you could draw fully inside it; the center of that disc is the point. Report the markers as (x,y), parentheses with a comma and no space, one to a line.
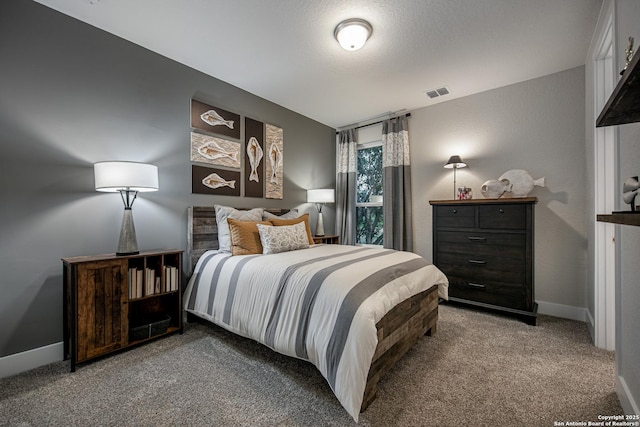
(353,33)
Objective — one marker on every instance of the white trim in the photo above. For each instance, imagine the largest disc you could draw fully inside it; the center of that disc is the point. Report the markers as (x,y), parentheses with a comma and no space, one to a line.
(605,175)
(629,406)
(370,144)
(561,310)
(20,362)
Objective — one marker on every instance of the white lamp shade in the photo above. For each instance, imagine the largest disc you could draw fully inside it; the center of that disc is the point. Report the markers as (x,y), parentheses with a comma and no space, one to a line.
(352,34)
(325,195)
(116,176)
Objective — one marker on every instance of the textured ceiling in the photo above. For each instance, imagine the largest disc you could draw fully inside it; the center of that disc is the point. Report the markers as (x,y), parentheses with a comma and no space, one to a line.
(284,50)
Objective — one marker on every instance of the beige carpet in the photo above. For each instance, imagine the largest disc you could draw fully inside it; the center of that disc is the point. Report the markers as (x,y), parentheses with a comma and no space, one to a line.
(478,370)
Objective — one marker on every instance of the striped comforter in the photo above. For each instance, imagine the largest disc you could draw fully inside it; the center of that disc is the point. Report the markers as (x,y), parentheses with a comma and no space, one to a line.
(320,304)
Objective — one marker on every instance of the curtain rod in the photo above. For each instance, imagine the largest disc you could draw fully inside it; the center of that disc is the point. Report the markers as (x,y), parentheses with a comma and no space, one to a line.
(374,123)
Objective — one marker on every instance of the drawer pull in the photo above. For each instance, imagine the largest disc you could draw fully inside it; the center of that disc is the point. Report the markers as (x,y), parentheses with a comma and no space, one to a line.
(501,210)
(455,211)
(477,239)
(477,261)
(477,285)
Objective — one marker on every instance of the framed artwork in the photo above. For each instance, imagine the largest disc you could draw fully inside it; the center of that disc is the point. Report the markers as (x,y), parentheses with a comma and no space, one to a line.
(215,151)
(220,182)
(254,158)
(275,162)
(214,119)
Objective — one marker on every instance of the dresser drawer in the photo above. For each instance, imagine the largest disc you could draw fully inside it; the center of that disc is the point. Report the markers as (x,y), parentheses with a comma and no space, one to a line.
(455,216)
(503,217)
(473,266)
(509,245)
(503,294)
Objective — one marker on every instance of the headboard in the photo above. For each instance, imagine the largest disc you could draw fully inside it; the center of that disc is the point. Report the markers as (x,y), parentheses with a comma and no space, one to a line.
(202,231)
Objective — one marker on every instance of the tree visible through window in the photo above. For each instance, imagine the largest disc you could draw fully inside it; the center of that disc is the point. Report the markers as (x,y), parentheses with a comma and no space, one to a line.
(369,216)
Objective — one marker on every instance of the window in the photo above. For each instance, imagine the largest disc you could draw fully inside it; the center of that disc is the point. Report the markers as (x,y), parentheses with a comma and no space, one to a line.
(369,216)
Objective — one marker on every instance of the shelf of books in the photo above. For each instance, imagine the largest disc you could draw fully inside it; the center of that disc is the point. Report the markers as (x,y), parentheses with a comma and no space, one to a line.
(154,295)
(153,275)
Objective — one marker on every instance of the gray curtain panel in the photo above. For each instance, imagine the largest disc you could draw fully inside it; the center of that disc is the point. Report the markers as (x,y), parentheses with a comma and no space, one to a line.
(398,228)
(346,187)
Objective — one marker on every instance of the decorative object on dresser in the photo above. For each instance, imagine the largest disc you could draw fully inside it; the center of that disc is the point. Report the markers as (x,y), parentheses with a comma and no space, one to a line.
(128,178)
(455,163)
(519,183)
(320,197)
(486,249)
(114,302)
(512,183)
(493,189)
(465,193)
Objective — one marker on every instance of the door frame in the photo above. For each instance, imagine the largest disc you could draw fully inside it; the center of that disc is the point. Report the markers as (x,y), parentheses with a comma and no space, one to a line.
(605,185)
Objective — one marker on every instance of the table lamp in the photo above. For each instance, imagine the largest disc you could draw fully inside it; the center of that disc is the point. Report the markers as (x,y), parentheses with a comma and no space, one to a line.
(455,162)
(320,197)
(128,178)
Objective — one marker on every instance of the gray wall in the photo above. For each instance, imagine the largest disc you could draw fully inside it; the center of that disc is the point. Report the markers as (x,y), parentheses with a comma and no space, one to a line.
(72,95)
(537,125)
(628,290)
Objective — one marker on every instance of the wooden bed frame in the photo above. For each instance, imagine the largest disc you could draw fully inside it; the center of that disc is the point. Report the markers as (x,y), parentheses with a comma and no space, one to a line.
(398,330)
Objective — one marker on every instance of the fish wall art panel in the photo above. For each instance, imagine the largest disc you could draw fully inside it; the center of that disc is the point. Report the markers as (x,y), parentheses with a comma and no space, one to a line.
(215,120)
(215,181)
(274,164)
(215,151)
(254,158)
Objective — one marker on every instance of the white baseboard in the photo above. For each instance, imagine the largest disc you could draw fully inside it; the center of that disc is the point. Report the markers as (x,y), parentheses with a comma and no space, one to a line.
(629,405)
(564,311)
(591,325)
(26,360)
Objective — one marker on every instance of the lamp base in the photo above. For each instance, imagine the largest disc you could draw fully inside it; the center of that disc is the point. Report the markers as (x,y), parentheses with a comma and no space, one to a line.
(128,244)
(320,225)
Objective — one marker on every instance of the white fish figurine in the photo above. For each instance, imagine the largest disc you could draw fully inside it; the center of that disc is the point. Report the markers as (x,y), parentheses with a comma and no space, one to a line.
(212,150)
(493,189)
(254,152)
(212,118)
(216,181)
(519,183)
(275,159)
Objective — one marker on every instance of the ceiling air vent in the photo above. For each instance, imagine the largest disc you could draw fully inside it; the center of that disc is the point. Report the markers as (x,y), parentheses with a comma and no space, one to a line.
(434,93)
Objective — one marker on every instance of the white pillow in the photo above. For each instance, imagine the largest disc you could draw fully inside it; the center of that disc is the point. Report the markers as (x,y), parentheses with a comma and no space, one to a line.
(283,238)
(293,213)
(224,212)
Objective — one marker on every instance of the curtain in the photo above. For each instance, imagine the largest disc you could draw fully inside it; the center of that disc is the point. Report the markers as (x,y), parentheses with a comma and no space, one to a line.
(346,187)
(398,229)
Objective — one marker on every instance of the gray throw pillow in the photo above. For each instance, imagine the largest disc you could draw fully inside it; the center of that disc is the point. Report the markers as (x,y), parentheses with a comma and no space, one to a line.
(224,212)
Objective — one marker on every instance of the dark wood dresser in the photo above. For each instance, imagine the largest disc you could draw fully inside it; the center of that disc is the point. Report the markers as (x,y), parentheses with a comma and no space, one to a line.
(485,247)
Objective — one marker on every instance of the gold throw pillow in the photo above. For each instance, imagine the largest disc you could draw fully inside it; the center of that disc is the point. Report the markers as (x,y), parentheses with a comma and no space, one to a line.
(245,239)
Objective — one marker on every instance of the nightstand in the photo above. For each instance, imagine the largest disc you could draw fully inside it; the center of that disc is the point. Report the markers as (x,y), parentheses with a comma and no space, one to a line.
(328,239)
(114,302)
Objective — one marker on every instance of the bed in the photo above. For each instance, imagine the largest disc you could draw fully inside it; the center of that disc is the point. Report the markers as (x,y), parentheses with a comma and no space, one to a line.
(351,311)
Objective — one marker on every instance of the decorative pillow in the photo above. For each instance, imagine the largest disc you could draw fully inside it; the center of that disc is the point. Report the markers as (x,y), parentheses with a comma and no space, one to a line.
(304,218)
(245,239)
(224,212)
(282,239)
(293,213)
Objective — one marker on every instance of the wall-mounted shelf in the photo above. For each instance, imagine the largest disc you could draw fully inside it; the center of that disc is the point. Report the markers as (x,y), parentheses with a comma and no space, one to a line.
(621,218)
(623,105)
